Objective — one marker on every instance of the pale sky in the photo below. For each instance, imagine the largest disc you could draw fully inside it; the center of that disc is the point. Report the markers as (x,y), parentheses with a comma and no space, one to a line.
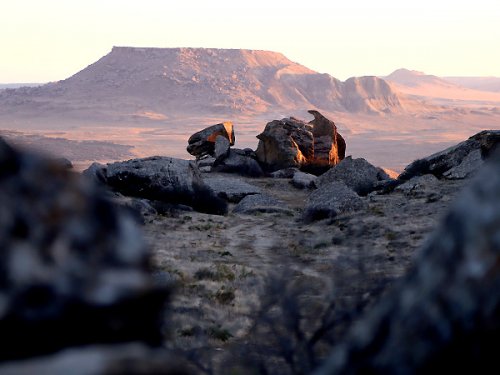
(49,40)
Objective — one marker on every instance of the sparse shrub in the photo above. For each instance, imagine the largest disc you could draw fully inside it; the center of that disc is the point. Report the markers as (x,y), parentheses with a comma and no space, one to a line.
(220,272)
(219,333)
(225,295)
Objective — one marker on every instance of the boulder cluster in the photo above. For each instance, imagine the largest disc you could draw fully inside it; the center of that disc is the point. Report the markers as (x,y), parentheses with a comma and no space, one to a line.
(77,291)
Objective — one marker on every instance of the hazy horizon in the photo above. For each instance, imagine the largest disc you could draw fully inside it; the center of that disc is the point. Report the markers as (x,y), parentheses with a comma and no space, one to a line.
(50,40)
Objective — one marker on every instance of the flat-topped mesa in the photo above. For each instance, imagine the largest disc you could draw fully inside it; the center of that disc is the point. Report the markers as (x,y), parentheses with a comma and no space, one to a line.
(203,142)
(294,143)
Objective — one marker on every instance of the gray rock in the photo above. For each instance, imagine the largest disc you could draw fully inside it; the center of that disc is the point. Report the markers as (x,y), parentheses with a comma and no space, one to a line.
(240,162)
(284,173)
(330,200)
(96,172)
(358,174)
(469,165)
(231,189)
(444,315)
(303,180)
(203,142)
(419,186)
(221,150)
(260,203)
(74,267)
(457,156)
(164,179)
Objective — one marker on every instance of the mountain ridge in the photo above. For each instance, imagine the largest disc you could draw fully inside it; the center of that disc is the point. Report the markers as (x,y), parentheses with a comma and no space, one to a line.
(211,81)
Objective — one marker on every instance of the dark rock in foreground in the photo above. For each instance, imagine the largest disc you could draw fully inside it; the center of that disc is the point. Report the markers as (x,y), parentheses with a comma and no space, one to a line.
(74,268)
(444,317)
(331,200)
(203,142)
(358,174)
(164,179)
(457,162)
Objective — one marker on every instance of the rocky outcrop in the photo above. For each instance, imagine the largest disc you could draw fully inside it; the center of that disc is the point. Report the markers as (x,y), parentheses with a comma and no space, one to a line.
(74,268)
(330,200)
(221,148)
(293,143)
(457,162)
(444,316)
(203,142)
(164,179)
(358,174)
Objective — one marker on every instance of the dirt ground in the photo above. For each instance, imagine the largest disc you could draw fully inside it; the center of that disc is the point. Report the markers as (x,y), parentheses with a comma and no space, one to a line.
(222,266)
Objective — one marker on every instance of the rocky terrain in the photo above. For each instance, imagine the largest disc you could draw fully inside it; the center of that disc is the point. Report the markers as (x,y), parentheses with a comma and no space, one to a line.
(255,265)
(153,99)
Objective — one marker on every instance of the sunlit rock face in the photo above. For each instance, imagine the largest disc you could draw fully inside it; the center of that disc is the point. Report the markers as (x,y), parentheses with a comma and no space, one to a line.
(202,143)
(294,143)
(74,269)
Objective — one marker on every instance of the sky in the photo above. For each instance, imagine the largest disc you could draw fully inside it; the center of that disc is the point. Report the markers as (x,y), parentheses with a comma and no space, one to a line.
(50,40)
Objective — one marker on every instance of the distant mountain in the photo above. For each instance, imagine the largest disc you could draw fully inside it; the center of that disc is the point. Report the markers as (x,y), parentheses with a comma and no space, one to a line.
(413,78)
(471,90)
(477,83)
(156,83)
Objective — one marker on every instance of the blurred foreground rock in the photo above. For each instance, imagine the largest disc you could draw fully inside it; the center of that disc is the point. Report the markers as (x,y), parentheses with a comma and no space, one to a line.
(74,271)
(444,317)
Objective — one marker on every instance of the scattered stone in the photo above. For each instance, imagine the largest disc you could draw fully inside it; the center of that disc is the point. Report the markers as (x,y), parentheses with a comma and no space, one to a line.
(221,148)
(444,314)
(64,163)
(293,143)
(230,188)
(166,180)
(203,142)
(456,161)
(303,180)
(419,186)
(74,267)
(261,203)
(358,174)
(284,173)
(330,200)
(240,162)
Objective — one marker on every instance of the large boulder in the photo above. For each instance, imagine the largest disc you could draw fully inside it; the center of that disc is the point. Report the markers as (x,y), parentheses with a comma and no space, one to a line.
(329,145)
(331,200)
(240,162)
(457,162)
(358,174)
(203,142)
(164,179)
(444,316)
(74,269)
(294,143)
